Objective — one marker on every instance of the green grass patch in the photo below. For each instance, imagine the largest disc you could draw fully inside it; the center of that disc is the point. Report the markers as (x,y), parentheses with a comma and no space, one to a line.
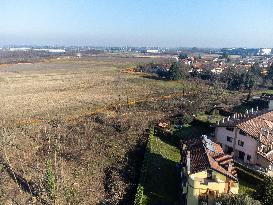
(159,182)
(246,187)
(241,108)
(248,179)
(264,91)
(195,129)
(172,84)
(209,118)
(161,84)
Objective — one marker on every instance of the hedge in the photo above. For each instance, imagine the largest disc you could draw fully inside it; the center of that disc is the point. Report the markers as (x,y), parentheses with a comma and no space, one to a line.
(139,197)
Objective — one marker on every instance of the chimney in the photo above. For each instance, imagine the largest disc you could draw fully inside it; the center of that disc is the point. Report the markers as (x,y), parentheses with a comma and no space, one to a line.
(189,162)
(262,148)
(223,120)
(257,108)
(184,146)
(229,167)
(228,118)
(232,154)
(247,111)
(252,110)
(234,116)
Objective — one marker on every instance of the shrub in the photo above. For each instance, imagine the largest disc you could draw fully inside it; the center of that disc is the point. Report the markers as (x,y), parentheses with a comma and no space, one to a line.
(139,197)
(264,191)
(236,200)
(50,180)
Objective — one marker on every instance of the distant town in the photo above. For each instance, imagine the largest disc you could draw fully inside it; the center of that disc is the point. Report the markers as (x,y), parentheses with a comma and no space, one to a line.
(197,58)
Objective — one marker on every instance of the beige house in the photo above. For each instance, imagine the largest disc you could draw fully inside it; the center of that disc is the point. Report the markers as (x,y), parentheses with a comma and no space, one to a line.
(248,137)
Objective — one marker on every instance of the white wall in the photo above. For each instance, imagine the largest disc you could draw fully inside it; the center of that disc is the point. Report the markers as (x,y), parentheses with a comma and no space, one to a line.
(221,134)
(249,148)
(250,144)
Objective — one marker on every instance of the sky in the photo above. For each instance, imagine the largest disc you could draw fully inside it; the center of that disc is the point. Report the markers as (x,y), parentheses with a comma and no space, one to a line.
(164,23)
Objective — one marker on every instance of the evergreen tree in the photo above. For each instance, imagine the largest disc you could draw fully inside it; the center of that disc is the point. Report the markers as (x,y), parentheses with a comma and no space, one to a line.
(182,56)
(178,71)
(270,74)
(264,192)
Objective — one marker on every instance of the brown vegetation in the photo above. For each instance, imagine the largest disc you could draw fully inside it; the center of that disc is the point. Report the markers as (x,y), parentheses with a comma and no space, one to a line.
(70,133)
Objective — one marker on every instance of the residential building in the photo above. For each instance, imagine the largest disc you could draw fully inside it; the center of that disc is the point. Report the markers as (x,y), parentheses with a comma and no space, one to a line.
(248,137)
(207,172)
(264,51)
(152,51)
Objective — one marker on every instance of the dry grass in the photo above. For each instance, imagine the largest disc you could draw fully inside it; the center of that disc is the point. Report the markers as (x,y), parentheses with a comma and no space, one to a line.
(47,113)
(73,112)
(61,87)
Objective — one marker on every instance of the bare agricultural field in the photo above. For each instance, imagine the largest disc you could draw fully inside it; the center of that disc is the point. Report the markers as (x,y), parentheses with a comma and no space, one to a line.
(69,133)
(64,86)
(47,158)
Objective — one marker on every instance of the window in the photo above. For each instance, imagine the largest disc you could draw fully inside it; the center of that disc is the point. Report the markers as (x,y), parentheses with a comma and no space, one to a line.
(242,132)
(241,156)
(240,143)
(229,139)
(248,157)
(230,129)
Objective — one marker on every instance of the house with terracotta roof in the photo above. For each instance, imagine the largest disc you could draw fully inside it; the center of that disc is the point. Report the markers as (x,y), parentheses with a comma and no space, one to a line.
(207,172)
(248,137)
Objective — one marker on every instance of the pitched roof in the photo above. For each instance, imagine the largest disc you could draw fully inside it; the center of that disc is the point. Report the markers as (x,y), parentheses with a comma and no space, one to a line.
(205,154)
(258,125)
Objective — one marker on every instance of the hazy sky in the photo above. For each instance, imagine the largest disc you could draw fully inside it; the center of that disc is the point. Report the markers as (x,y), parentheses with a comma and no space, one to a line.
(173,23)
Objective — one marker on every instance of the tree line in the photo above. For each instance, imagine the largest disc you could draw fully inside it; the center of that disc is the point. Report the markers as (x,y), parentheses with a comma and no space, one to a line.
(232,78)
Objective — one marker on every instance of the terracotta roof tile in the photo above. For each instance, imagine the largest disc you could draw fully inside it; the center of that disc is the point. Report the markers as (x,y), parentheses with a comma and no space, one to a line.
(258,125)
(205,154)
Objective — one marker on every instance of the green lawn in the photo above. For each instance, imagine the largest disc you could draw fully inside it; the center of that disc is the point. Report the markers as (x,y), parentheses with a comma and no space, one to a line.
(266,91)
(180,85)
(161,184)
(160,180)
(246,187)
(191,131)
(248,181)
(209,118)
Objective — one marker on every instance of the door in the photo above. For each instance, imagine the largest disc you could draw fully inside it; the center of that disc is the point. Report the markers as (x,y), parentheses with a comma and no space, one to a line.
(241,155)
